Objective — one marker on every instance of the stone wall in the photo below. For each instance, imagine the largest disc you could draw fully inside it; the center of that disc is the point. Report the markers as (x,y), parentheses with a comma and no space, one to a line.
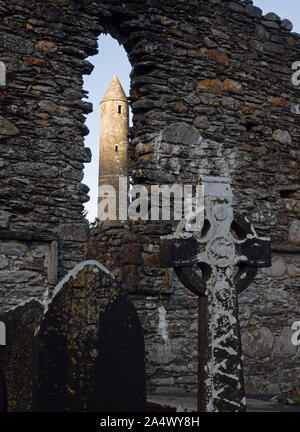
(211,94)
(268,310)
(28,269)
(168,312)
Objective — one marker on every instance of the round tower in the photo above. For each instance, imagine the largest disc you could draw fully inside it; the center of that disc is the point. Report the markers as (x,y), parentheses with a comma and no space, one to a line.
(113,137)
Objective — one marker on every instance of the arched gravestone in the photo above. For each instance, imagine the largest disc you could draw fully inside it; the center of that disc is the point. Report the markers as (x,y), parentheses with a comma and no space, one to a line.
(18,355)
(90,346)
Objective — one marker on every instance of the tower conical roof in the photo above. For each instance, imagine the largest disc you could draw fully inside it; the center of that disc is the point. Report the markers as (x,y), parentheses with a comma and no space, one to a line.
(115,91)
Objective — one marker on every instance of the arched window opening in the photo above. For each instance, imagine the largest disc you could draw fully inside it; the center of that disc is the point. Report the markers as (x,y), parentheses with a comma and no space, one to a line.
(111,61)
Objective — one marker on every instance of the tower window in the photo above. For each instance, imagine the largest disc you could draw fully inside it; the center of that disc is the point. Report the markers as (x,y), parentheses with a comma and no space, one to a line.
(116,148)
(119,109)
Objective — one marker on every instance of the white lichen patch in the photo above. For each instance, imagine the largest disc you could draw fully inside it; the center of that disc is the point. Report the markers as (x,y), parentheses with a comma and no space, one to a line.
(163,324)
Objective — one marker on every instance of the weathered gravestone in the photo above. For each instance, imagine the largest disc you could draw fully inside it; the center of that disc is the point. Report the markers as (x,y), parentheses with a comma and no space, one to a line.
(18,355)
(3,396)
(216,264)
(90,346)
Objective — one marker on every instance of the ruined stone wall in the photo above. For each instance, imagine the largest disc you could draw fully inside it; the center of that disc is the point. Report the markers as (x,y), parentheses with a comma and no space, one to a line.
(42,132)
(28,270)
(211,94)
(268,310)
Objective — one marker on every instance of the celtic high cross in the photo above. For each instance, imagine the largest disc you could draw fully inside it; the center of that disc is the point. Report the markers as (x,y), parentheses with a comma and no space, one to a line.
(217,264)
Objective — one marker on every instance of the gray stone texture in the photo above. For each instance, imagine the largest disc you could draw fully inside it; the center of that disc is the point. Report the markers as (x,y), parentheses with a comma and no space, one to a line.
(24,268)
(219,74)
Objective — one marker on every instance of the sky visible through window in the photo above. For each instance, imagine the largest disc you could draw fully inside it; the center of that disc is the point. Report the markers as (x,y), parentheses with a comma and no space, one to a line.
(112,59)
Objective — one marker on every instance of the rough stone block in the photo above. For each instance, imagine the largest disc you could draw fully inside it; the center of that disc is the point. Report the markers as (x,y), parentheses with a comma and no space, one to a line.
(295,108)
(211,86)
(46,46)
(283,137)
(7,128)
(277,270)
(258,344)
(16,276)
(74,232)
(253,11)
(13,248)
(287,24)
(232,86)
(3,263)
(284,348)
(294,233)
(4,219)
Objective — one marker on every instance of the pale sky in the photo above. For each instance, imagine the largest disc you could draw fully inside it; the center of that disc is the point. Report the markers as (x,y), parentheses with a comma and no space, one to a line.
(112,59)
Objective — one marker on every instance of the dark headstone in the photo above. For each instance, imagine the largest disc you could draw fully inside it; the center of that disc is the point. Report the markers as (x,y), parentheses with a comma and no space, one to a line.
(90,347)
(3,396)
(18,355)
(120,370)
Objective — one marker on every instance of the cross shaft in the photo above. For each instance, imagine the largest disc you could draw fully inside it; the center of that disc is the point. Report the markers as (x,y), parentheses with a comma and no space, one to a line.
(216,264)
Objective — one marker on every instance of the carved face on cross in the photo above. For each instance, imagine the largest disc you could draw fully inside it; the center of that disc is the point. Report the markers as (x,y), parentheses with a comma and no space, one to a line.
(216,264)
